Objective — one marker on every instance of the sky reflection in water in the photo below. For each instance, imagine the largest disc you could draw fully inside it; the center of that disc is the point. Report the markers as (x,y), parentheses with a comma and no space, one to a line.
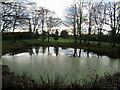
(72,63)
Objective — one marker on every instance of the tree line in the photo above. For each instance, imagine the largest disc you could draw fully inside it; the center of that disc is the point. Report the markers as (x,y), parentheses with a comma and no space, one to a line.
(25,15)
(86,18)
(94,16)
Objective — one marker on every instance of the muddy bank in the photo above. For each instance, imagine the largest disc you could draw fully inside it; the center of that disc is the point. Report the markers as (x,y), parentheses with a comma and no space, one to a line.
(10,80)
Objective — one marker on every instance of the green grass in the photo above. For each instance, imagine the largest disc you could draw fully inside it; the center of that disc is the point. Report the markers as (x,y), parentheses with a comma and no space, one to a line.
(63,40)
(59,40)
(72,40)
(6,43)
(102,43)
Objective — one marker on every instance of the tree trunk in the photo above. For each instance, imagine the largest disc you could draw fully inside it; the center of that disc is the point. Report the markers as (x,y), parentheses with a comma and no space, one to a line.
(75,38)
(75,52)
(99,37)
(42,30)
(114,31)
(79,28)
(113,38)
(48,36)
(12,36)
(89,32)
(89,29)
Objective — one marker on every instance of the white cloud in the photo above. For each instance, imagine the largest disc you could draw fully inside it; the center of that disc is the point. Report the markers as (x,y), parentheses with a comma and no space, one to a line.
(55,5)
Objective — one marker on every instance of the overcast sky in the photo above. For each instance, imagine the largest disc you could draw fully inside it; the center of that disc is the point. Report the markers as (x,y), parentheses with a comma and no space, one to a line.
(57,5)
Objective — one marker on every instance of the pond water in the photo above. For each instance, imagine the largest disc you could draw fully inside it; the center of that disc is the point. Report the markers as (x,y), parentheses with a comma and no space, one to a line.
(71,63)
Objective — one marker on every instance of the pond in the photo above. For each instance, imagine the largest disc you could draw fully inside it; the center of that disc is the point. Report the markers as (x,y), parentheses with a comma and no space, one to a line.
(71,63)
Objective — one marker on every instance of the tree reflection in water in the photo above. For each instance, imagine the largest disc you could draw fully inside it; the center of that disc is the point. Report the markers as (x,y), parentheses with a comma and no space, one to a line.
(43,49)
(75,52)
(79,52)
(48,50)
(56,50)
(12,54)
(72,53)
(88,52)
(37,50)
(30,51)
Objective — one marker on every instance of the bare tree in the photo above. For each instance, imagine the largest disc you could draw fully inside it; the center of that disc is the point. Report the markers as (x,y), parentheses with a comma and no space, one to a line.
(52,22)
(71,19)
(112,14)
(76,17)
(5,14)
(90,7)
(43,13)
(36,20)
(80,17)
(99,18)
(13,15)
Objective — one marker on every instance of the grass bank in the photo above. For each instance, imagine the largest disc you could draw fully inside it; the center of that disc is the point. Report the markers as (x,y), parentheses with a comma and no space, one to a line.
(10,80)
(21,45)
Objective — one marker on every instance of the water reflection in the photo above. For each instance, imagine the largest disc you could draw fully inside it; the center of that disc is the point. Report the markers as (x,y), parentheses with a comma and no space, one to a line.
(56,50)
(48,51)
(12,54)
(43,49)
(72,62)
(71,52)
(75,52)
(88,52)
(30,52)
(64,48)
(37,50)
(79,52)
